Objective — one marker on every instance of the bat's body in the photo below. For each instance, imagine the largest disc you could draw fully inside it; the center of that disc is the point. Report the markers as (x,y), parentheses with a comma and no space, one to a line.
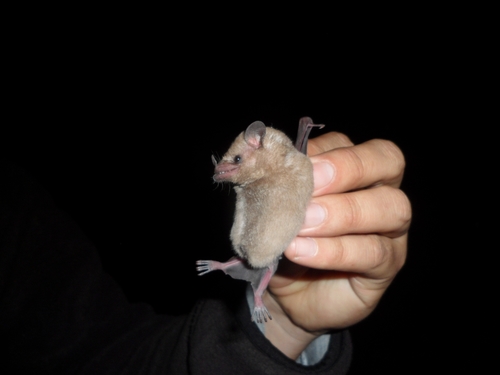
(273,181)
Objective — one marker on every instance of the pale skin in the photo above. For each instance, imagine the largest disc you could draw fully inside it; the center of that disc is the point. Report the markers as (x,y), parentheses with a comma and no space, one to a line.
(337,269)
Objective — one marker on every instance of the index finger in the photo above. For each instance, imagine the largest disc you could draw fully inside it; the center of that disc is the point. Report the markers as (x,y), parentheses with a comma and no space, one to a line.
(347,168)
(327,142)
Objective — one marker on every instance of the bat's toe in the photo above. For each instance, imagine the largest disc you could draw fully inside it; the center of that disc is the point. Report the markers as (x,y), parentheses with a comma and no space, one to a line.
(261,315)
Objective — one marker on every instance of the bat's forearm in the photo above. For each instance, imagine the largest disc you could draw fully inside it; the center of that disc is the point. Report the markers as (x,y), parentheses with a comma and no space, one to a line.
(305,126)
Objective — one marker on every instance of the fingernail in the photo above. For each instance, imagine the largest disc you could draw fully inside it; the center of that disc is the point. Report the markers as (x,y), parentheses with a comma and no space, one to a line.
(305,247)
(323,174)
(315,215)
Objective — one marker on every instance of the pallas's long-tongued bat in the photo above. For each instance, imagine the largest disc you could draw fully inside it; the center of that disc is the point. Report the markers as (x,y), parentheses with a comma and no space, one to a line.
(273,180)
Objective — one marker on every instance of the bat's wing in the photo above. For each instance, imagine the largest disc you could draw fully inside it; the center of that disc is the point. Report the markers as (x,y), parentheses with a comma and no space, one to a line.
(305,126)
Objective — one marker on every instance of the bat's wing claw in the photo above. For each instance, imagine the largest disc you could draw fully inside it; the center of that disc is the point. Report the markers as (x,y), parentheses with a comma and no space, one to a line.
(305,126)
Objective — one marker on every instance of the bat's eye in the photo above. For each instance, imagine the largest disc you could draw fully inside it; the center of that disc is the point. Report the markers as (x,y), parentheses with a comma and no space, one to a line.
(237,159)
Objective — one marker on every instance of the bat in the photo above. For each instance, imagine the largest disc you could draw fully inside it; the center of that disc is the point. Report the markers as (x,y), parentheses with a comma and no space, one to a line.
(273,181)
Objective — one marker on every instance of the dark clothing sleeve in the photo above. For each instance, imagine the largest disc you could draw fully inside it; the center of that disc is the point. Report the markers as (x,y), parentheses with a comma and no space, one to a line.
(60,313)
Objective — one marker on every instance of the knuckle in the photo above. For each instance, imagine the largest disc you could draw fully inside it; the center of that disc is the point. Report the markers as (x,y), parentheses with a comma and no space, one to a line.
(400,253)
(402,207)
(400,210)
(392,150)
(394,153)
(378,250)
(384,256)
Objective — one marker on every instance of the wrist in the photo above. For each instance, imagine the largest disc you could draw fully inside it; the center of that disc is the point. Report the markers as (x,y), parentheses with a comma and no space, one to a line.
(283,333)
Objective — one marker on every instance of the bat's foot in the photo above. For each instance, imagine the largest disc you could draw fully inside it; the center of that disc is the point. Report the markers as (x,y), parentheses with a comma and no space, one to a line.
(206,266)
(260,314)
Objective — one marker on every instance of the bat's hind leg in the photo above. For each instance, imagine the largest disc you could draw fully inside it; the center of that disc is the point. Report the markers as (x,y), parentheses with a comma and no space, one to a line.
(206,266)
(238,269)
(260,313)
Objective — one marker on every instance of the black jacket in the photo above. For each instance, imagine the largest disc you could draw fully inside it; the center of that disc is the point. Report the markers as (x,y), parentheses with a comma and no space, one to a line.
(60,313)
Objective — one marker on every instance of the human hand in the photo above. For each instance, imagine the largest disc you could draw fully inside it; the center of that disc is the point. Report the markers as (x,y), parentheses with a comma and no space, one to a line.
(341,265)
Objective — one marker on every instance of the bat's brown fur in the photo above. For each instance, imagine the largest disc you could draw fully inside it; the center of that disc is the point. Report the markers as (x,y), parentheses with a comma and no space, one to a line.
(273,183)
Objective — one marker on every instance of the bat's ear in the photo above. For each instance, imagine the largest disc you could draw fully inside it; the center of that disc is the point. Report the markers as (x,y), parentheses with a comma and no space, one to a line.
(255,134)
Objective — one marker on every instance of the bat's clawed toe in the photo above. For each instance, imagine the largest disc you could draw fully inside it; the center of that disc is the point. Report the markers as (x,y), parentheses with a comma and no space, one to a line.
(260,314)
(204,266)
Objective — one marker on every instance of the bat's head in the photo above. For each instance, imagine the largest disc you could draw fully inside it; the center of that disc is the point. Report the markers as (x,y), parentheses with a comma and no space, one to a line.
(253,154)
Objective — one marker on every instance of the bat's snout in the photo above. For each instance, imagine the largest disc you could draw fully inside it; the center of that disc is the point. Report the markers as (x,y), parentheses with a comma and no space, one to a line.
(225,171)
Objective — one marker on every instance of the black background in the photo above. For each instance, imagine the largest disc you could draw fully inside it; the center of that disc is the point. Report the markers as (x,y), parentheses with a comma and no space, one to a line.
(120,130)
